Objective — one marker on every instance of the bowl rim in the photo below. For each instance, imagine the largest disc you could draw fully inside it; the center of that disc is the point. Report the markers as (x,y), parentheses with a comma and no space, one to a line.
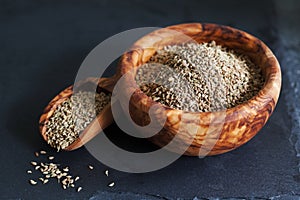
(269,92)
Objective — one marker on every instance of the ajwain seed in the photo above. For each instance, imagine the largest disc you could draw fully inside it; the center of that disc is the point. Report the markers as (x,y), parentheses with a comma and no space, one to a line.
(79,189)
(33,163)
(66,169)
(111,184)
(43,152)
(51,157)
(32,182)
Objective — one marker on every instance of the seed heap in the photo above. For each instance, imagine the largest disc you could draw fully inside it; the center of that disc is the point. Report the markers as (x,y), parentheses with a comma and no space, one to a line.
(199,77)
(50,170)
(72,116)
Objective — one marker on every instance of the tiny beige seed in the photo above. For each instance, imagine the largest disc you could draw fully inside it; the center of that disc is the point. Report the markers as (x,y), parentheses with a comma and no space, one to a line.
(64,182)
(79,189)
(111,184)
(36,154)
(29,172)
(32,182)
(77,178)
(91,167)
(51,157)
(45,181)
(43,152)
(33,163)
(106,172)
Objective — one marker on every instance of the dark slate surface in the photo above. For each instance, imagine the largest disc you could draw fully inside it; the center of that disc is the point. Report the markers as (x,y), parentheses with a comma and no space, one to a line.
(42,45)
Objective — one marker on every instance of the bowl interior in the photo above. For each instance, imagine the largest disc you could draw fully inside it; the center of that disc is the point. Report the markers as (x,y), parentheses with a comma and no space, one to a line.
(234,39)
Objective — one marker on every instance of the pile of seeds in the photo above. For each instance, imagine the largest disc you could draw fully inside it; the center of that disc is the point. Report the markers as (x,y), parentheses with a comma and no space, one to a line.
(73,116)
(199,77)
(50,170)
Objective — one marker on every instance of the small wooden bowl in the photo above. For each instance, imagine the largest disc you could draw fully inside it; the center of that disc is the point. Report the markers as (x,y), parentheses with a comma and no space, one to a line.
(102,120)
(217,132)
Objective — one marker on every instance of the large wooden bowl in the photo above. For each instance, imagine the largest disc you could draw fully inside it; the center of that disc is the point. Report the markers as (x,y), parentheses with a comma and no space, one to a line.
(217,132)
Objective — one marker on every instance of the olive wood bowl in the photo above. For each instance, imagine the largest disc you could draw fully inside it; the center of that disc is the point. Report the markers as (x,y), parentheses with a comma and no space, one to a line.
(217,132)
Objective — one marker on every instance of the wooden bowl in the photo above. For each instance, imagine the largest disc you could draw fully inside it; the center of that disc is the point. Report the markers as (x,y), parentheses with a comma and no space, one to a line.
(217,132)
(102,120)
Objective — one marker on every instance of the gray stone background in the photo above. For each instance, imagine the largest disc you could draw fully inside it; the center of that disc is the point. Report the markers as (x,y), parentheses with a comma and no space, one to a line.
(42,45)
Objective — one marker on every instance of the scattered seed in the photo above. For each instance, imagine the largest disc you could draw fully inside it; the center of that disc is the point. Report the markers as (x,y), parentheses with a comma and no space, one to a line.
(32,182)
(91,167)
(64,182)
(43,152)
(106,172)
(53,170)
(51,157)
(36,154)
(112,184)
(79,189)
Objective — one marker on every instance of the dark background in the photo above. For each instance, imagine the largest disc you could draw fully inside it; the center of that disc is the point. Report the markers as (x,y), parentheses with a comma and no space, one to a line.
(42,45)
